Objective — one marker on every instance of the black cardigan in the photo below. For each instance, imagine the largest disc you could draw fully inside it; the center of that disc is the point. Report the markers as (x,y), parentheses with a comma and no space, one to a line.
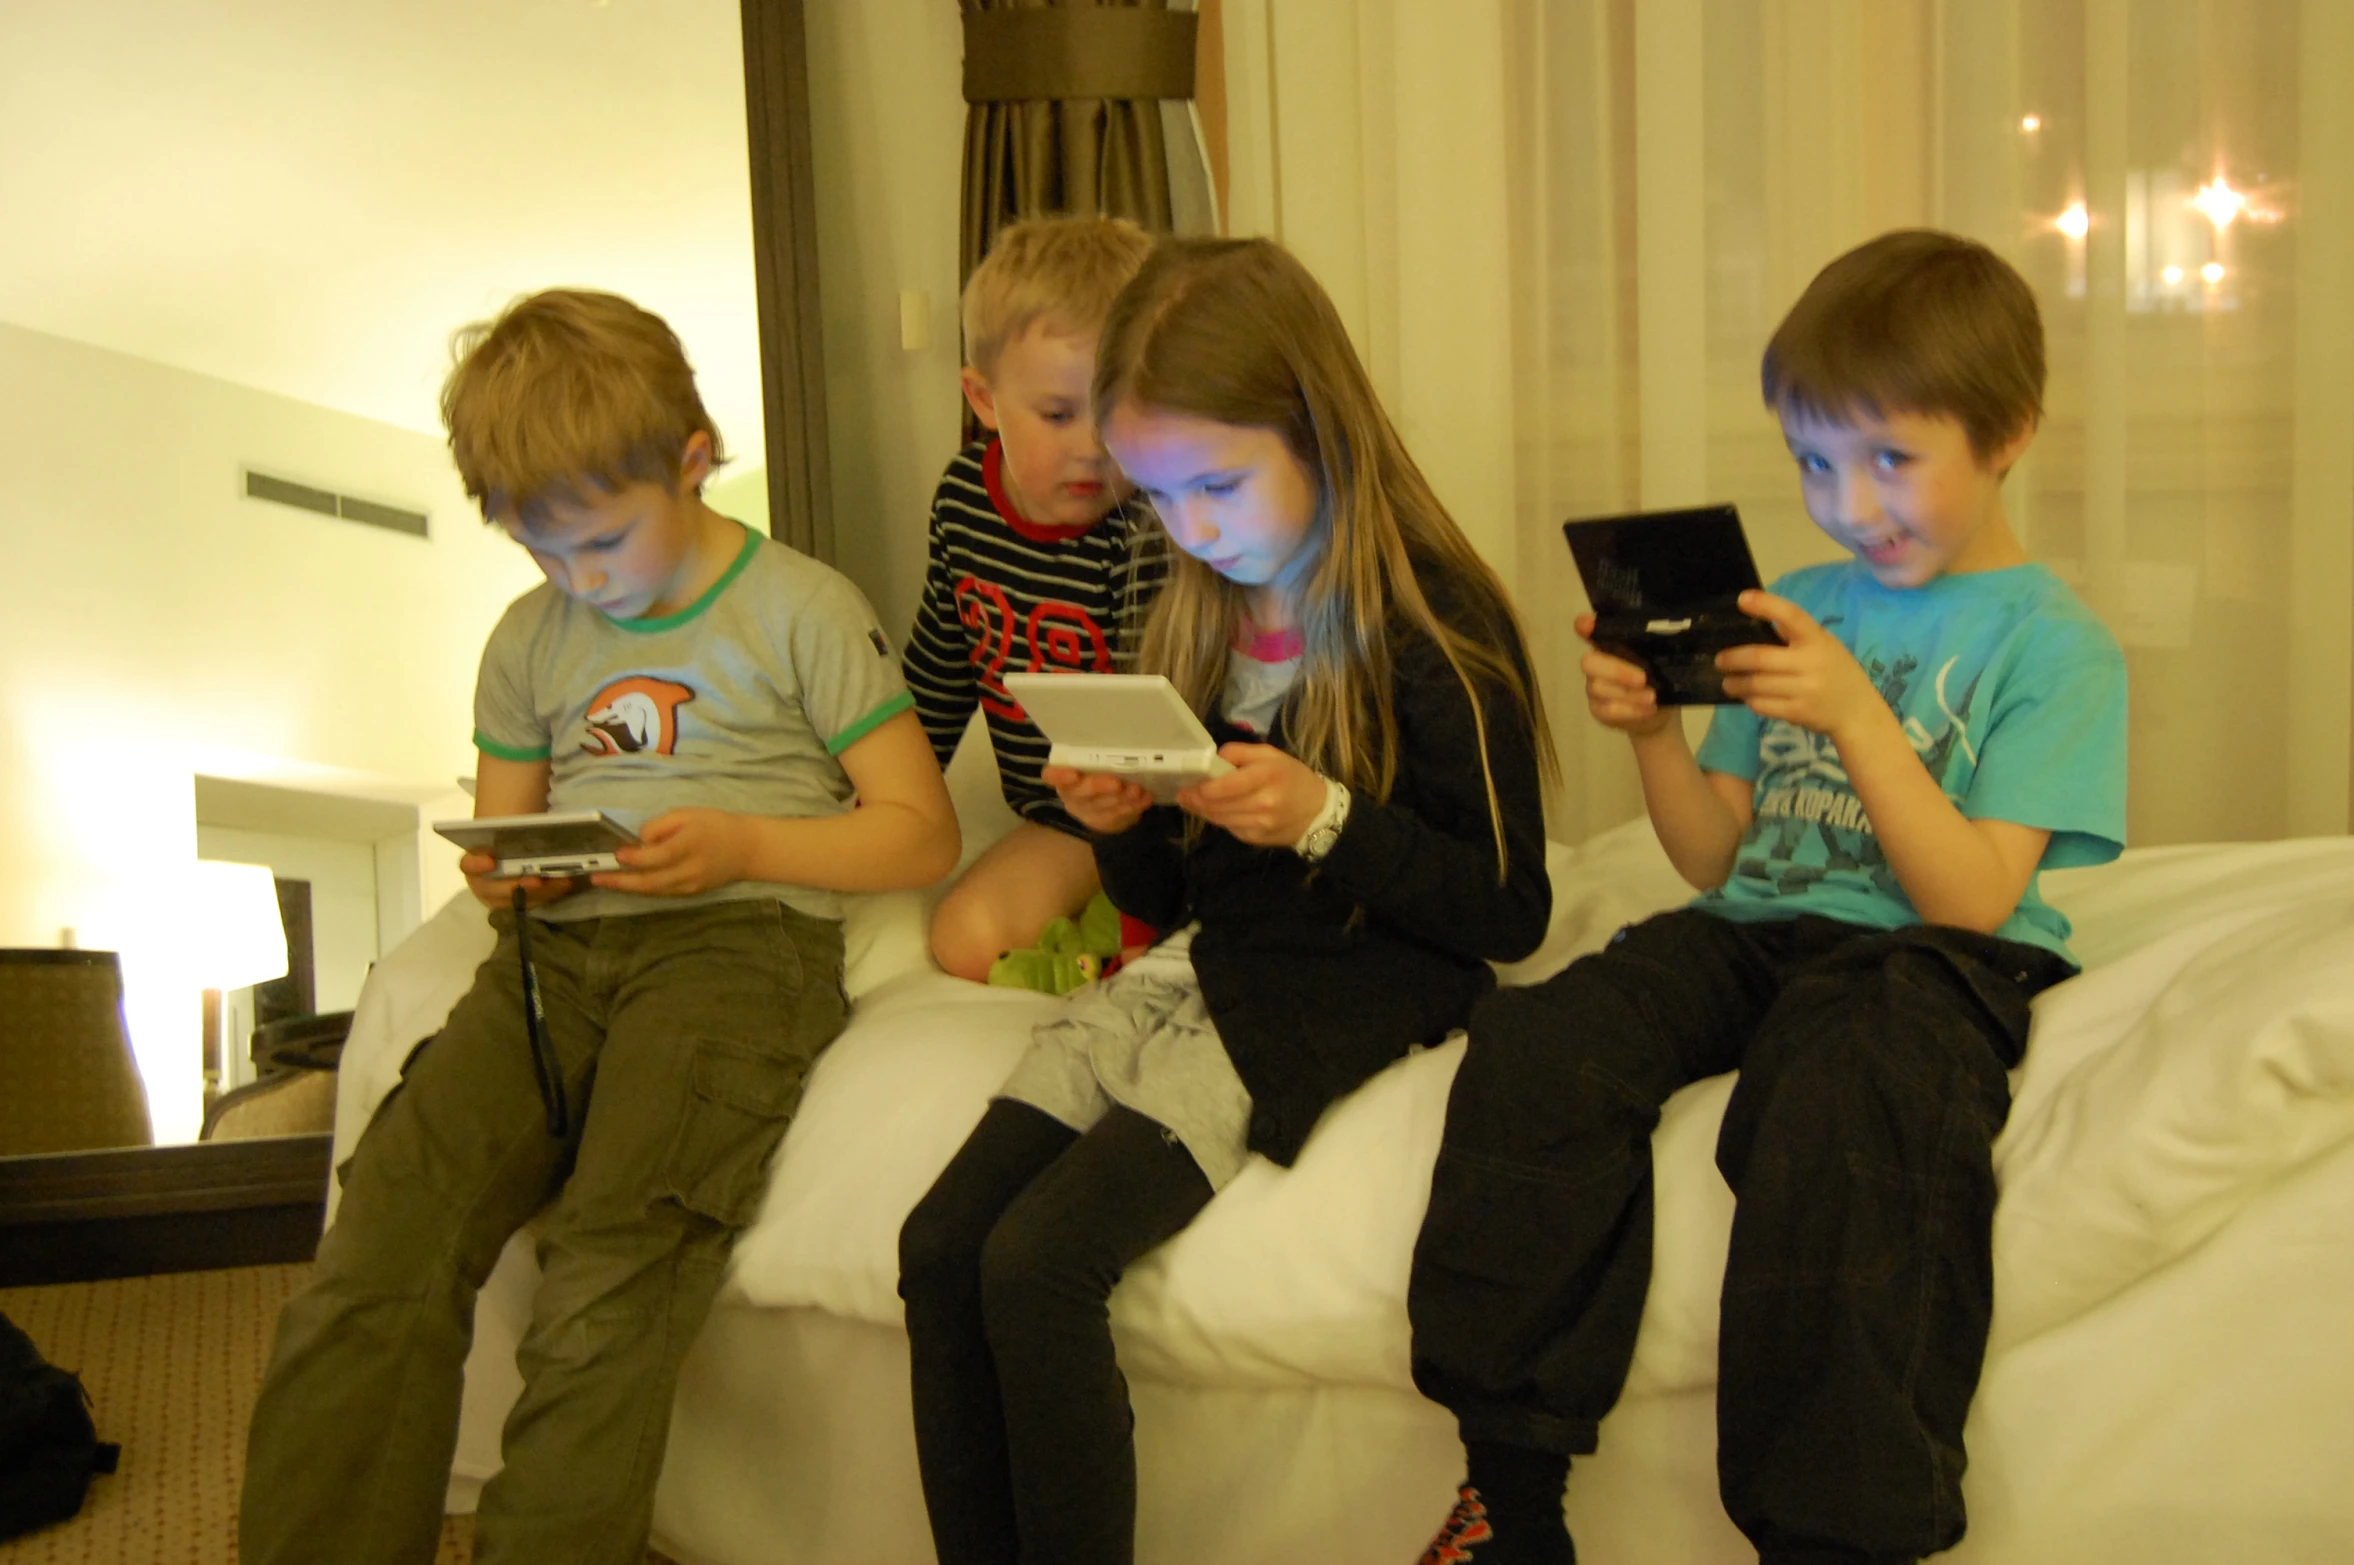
(1308,1006)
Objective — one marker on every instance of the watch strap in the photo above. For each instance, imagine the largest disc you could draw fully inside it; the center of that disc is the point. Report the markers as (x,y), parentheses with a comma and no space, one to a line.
(1325,829)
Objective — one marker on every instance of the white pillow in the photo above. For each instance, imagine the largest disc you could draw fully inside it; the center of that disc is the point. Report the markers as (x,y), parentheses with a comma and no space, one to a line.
(1290,1276)
(2151,893)
(2167,1090)
(887,1106)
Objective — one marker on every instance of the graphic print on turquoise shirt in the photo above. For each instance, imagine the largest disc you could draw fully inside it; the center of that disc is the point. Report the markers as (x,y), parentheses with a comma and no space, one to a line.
(2010,692)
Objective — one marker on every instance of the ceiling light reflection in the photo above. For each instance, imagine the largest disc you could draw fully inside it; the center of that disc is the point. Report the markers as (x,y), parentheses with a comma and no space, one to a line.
(2219,202)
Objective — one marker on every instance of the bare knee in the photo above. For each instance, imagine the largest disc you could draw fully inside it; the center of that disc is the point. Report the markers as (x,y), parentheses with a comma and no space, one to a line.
(968,934)
(1005,901)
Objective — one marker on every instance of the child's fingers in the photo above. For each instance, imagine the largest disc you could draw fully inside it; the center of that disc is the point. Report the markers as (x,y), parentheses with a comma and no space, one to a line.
(1079,790)
(664,826)
(1753,658)
(1256,767)
(1611,669)
(1110,822)
(1792,622)
(1584,625)
(1226,787)
(1101,802)
(652,850)
(537,890)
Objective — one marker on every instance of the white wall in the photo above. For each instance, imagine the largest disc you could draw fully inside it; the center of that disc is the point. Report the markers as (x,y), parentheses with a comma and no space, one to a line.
(161,625)
(887,126)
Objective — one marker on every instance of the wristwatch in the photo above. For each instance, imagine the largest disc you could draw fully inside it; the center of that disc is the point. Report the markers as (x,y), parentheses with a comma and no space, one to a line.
(1324,830)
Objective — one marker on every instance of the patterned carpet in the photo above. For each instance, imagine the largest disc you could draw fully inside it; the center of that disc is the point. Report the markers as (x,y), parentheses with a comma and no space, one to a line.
(172,1364)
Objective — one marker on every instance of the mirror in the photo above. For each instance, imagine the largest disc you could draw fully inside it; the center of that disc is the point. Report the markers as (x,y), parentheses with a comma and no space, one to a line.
(242,235)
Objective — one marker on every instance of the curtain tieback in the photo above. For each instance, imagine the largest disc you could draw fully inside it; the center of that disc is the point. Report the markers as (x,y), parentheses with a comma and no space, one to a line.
(1034,53)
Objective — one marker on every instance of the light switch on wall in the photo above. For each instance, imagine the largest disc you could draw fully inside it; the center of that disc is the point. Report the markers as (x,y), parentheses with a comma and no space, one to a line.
(915,319)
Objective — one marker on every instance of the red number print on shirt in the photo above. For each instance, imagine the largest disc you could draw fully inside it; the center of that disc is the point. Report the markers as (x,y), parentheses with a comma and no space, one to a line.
(1064,636)
(1056,636)
(982,609)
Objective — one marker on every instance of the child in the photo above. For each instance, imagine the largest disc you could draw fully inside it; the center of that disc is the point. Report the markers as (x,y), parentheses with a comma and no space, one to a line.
(1335,898)
(1943,719)
(1034,563)
(734,696)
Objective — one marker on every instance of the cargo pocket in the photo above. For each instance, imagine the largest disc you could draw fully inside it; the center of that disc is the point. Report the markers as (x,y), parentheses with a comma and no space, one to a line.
(737,1107)
(376,1114)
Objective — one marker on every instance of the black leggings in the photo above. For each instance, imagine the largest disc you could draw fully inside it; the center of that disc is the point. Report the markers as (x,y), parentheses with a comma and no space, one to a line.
(1022,1424)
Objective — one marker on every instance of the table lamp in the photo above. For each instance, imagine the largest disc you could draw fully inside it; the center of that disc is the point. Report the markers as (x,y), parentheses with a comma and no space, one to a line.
(239,940)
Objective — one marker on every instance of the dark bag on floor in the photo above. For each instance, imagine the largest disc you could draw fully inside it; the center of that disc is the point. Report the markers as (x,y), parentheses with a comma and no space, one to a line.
(48,1446)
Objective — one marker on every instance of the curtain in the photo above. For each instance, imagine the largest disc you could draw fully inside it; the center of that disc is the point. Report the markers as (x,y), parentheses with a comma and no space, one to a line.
(2176,180)
(1562,230)
(784,256)
(1080,108)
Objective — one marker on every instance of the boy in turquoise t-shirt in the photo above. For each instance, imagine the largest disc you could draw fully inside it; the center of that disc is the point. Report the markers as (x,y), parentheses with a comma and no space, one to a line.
(1942,721)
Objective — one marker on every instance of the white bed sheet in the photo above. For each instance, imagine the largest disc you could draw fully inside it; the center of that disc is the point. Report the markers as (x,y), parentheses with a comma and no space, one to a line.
(2170,1365)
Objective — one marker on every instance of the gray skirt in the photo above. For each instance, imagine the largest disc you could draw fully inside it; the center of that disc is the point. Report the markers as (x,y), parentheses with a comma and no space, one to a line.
(1143,1039)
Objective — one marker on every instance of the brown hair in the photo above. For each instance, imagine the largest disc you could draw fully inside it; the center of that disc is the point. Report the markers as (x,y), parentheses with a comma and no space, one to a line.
(1237,331)
(565,387)
(1064,271)
(1915,321)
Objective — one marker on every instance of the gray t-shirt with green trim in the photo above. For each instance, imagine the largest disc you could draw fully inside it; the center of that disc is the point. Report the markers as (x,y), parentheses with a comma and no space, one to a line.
(741,701)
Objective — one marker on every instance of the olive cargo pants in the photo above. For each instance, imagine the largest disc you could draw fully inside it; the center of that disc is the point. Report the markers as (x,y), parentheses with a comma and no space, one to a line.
(683,1038)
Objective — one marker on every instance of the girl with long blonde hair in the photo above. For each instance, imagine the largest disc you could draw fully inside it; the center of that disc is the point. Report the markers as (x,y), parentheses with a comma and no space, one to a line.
(1331,901)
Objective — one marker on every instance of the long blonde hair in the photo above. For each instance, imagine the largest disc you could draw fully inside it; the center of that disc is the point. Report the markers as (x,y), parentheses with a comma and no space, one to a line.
(1236,331)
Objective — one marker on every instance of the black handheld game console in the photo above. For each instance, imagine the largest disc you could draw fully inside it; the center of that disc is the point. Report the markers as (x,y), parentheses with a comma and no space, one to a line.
(1664,585)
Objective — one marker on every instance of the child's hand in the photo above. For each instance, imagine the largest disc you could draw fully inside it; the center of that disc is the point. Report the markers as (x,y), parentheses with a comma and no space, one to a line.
(1811,680)
(1619,693)
(499,891)
(1269,800)
(681,852)
(1104,804)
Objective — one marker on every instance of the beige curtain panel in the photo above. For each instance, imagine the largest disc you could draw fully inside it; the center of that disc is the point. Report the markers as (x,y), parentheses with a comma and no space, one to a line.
(1068,113)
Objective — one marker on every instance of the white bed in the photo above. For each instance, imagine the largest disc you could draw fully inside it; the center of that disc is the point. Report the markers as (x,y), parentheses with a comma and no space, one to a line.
(2171,1377)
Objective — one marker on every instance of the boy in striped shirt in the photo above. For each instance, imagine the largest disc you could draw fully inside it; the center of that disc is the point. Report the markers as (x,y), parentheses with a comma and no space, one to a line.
(1038,561)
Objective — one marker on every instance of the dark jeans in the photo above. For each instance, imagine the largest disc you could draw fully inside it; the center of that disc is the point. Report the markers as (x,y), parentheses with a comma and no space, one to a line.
(1860,1280)
(1022,1424)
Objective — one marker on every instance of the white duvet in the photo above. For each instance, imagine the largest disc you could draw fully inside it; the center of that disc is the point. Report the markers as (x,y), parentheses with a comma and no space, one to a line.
(2205,1057)
(2174,1247)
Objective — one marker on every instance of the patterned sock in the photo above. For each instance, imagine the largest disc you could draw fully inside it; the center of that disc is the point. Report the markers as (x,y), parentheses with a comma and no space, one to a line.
(1508,1512)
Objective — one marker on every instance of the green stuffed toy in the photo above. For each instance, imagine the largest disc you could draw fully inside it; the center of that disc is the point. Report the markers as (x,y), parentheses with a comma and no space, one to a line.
(1067,955)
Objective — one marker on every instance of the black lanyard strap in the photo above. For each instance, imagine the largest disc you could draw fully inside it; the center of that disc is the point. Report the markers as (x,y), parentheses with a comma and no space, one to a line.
(544,1065)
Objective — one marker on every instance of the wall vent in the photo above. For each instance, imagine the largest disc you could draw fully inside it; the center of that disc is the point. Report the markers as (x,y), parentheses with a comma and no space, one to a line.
(285,491)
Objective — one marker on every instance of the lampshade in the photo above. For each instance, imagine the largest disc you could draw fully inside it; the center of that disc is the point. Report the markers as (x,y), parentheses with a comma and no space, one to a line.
(239,939)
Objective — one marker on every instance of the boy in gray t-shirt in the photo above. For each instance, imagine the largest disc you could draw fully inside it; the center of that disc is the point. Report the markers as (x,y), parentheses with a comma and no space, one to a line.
(734,700)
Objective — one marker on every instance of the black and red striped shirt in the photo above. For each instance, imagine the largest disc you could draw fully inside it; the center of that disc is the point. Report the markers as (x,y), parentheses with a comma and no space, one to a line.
(1006,595)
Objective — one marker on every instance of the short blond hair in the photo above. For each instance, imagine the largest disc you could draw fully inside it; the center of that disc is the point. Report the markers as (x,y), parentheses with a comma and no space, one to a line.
(1915,321)
(564,387)
(1063,271)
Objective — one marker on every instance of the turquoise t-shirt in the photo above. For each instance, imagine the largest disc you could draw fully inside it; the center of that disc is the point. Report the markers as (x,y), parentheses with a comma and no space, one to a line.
(2013,695)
